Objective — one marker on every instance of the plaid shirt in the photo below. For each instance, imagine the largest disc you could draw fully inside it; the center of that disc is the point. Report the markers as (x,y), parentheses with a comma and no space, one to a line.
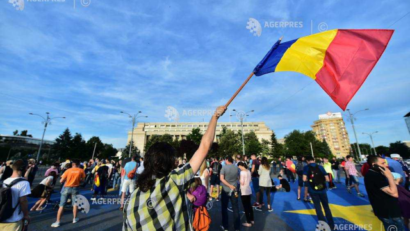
(164,207)
(351,168)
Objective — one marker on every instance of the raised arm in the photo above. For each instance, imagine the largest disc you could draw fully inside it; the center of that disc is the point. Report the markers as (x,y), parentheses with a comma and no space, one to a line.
(206,141)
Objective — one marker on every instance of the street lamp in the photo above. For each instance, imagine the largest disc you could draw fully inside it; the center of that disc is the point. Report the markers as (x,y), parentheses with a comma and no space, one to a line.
(241,116)
(46,121)
(371,138)
(134,119)
(351,117)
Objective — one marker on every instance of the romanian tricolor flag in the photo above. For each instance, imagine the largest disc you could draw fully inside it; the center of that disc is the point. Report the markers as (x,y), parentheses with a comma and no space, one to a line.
(338,60)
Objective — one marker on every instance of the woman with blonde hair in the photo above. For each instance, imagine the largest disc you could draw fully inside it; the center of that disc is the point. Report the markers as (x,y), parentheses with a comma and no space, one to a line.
(204,174)
(265,183)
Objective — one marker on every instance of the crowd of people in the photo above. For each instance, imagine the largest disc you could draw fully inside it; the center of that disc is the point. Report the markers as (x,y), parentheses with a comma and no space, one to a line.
(163,192)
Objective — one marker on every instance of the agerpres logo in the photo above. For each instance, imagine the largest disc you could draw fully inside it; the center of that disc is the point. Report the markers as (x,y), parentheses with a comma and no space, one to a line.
(82,203)
(254,27)
(19,4)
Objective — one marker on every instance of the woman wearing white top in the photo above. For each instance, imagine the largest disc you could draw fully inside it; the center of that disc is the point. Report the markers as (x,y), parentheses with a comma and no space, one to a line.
(246,193)
(43,190)
(265,182)
(204,175)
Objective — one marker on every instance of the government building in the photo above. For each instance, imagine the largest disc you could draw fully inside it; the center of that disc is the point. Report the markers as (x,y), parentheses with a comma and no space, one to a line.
(331,127)
(179,130)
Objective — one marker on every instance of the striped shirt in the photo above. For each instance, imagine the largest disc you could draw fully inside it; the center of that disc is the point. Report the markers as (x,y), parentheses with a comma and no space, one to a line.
(164,207)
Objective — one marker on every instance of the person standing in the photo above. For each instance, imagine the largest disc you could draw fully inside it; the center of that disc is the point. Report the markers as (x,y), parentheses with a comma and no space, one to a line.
(229,179)
(204,175)
(288,171)
(31,171)
(20,189)
(147,201)
(351,173)
(255,179)
(72,178)
(128,183)
(265,183)
(315,177)
(328,168)
(215,178)
(140,168)
(335,168)
(6,171)
(299,170)
(246,193)
(102,174)
(383,194)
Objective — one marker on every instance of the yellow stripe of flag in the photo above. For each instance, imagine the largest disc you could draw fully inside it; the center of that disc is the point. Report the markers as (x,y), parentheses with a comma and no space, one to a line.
(307,54)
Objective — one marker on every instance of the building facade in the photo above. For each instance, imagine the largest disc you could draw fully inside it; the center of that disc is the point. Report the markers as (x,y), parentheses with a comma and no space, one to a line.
(179,130)
(331,127)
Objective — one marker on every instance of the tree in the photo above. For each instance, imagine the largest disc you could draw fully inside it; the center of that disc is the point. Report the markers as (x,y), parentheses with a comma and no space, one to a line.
(126,151)
(277,150)
(90,147)
(195,136)
(297,144)
(399,148)
(382,149)
(62,146)
(252,144)
(229,144)
(110,151)
(167,138)
(365,149)
(78,147)
(266,150)
(16,133)
(23,133)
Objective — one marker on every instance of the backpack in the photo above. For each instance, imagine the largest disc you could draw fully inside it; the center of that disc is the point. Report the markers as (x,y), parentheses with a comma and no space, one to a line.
(131,174)
(6,198)
(299,168)
(202,220)
(216,168)
(316,178)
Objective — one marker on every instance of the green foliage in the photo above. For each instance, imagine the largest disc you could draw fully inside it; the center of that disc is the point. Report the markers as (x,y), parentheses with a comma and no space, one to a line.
(382,149)
(298,144)
(195,136)
(62,146)
(126,151)
(229,143)
(252,144)
(16,133)
(266,150)
(399,148)
(167,138)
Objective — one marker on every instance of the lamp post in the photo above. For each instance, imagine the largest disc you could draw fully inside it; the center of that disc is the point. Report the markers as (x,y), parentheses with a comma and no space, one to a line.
(133,119)
(371,138)
(241,116)
(351,117)
(46,121)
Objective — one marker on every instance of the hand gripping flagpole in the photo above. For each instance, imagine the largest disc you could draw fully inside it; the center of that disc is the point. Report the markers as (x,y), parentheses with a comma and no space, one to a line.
(246,81)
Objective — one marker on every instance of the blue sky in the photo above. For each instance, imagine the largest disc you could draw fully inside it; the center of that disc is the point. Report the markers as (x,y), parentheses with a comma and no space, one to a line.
(89,63)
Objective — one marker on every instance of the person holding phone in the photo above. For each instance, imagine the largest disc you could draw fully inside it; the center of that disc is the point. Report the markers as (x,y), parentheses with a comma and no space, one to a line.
(383,193)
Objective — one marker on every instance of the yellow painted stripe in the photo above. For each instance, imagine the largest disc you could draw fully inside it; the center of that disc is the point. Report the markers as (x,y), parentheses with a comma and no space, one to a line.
(307,54)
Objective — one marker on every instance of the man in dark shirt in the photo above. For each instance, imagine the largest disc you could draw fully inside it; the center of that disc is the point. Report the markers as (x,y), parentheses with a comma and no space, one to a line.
(255,179)
(319,196)
(335,168)
(383,194)
(284,185)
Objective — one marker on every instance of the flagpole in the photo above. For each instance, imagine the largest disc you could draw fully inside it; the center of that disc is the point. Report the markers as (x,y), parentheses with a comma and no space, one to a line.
(243,85)
(240,88)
